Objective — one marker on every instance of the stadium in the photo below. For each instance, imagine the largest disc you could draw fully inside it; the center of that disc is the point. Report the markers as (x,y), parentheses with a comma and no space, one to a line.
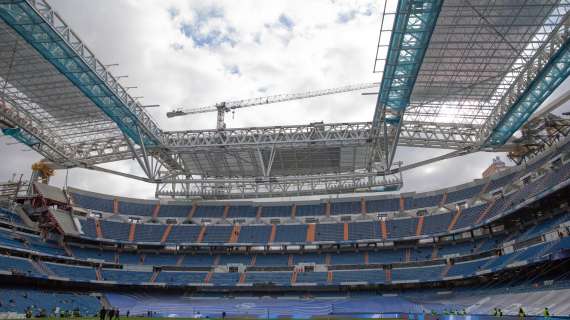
(313,219)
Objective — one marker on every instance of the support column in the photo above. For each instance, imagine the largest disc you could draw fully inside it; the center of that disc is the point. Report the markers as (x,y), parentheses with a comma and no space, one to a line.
(484,213)
(453,221)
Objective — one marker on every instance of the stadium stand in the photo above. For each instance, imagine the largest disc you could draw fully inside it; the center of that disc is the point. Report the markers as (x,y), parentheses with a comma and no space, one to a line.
(323,246)
(17,301)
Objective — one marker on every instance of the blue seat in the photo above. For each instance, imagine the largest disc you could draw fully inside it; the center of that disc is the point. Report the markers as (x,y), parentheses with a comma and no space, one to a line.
(278,278)
(80,273)
(127,277)
(295,233)
(181,277)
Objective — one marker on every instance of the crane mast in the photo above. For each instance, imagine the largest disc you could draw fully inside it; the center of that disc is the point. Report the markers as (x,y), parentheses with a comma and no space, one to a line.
(222,107)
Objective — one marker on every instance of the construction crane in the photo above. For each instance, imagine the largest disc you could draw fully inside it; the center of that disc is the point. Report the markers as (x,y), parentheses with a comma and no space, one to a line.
(228,106)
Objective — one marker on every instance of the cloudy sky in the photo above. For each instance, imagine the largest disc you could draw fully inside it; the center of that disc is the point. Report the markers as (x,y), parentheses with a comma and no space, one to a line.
(194,53)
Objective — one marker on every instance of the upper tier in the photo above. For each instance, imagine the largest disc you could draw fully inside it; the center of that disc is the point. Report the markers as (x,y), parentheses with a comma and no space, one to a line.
(429,202)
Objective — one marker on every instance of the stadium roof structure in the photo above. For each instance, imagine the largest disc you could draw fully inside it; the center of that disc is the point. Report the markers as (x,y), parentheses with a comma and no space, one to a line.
(462,75)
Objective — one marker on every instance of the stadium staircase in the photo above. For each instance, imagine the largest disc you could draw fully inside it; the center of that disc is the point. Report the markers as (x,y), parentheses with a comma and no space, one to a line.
(273,232)
(362,205)
(384,229)
(235,233)
(258,214)
(253,261)
(484,189)
(366,258)
(180,260)
(192,211)
(166,233)
(330,277)
(434,253)
(216,261)
(201,234)
(116,206)
(420,226)
(294,277)
(445,270)
(402,204)
(328,212)
(443,200)
(66,248)
(454,219)
(132,230)
(407,254)
(155,211)
(42,268)
(388,275)
(98,275)
(345,232)
(290,261)
(242,277)
(485,212)
(208,277)
(155,274)
(293,211)
(98,229)
(226,212)
(311,232)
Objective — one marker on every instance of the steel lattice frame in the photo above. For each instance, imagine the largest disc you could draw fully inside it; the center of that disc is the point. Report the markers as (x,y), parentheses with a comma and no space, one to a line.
(459,74)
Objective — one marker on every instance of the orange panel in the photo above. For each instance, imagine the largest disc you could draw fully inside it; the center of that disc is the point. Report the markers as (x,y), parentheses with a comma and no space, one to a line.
(132,232)
(311,232)
(273,233)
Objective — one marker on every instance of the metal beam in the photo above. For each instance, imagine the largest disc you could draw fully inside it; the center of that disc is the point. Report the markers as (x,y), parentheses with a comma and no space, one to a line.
(544,81)
(241,188)
(44,29)
(414,22)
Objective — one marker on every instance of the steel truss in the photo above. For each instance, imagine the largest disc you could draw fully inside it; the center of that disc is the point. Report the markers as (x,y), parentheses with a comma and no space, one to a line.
(458,74)
(487,63)
(437,135)
(238,188)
